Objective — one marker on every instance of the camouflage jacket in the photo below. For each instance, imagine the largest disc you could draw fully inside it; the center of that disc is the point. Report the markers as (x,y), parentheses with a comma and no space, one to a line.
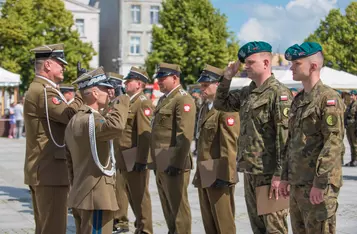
(264,123)
(350,115)
(315,143)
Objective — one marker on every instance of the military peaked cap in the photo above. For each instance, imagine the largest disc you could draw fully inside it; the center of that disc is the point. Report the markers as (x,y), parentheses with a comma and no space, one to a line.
(137,73)
(55,51)
(93,78)
(64,88)
(210,74)
(167,69)
(253,47)
(306,49)
(115,78)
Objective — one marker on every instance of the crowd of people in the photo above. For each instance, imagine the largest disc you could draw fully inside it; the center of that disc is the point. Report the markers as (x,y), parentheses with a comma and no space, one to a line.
(92,150)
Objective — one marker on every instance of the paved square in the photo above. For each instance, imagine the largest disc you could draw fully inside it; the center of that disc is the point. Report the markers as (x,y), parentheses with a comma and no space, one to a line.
(16,215)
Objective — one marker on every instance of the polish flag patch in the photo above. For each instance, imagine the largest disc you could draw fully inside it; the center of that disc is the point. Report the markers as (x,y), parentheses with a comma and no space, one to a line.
(186,108)
(331,102)
(147,112)
(230,121)
(56,101)
(283,98)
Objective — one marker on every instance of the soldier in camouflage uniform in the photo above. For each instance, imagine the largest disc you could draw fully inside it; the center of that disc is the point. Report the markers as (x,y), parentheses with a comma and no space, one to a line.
(314,146)
(263,107)
(351,128)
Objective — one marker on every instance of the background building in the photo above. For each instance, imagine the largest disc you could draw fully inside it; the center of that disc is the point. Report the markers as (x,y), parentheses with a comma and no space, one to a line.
(126,32)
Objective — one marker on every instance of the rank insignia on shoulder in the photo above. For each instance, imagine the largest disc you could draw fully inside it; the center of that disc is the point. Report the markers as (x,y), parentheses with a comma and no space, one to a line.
(56,100)
(147,112)
(331,102)
(186,108)
(143,98)
(283,98)
(182,92)
(230,121)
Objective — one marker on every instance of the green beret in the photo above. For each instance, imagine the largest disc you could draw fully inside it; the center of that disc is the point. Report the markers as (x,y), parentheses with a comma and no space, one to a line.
(293,90)
(301,51)
(252,48)
(353,92)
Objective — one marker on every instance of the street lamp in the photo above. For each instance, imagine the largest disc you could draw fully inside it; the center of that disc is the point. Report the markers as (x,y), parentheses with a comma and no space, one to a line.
(116,64)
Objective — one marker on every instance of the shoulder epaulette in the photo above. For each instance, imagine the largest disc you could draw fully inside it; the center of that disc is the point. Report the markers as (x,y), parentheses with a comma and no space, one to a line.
(182,92)
(143,98)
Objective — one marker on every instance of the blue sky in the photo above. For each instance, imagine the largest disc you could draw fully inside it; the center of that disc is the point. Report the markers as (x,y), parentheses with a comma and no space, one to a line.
(279,22)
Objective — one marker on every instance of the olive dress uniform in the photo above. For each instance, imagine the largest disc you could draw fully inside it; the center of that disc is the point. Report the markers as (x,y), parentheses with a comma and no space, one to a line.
(121,220)
(173,128)
(46,114)
(218,140)
(137,135)
(88,138)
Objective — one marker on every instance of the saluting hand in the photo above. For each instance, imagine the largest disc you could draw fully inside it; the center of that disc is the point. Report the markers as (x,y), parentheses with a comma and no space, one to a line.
(231,70)
(316,195)
(274,188)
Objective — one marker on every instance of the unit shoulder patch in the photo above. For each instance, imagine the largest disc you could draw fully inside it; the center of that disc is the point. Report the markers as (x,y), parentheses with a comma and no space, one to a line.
(186,107)
(331,120)
(331,102)
(56,100)
(147,112)
(230,121)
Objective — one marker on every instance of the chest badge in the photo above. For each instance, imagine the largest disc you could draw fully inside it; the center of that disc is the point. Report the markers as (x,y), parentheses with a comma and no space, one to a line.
(186,108)
(230,121)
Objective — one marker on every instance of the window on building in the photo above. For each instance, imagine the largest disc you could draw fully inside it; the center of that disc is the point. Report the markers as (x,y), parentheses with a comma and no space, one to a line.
(150,44)
(2,2)
(135,45)
(136,14)
(154,14)
(80,27)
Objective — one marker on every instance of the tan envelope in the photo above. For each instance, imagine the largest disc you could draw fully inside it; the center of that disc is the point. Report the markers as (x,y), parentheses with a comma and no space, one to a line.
(163,157)
(208,172)
(266,205)
(129,157)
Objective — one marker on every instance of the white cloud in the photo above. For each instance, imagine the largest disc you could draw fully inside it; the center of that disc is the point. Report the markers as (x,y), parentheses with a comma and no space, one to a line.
(283,26)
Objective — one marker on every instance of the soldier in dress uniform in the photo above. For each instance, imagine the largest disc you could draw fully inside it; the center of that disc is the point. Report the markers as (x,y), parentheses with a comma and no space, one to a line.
(218,140)
(314,147)
(172,131)
(90,157)
(351,128)
(263,107)
(121,220)
(68,92)
(46,114)
(135,143)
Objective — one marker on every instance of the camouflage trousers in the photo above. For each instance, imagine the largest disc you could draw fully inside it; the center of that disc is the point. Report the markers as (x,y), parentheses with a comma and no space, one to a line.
(352,140)
(307,218)
(273,223)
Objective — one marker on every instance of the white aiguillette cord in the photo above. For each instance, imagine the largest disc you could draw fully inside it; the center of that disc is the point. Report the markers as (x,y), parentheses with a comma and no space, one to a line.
(93,147)
(48,119)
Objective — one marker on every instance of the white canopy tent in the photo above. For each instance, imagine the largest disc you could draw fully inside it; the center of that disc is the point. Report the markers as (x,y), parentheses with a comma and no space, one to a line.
(331,77)
(8,79)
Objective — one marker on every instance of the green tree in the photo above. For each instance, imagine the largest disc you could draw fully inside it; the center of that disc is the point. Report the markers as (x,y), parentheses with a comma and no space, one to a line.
(337,34)
(191,33)
(26,24)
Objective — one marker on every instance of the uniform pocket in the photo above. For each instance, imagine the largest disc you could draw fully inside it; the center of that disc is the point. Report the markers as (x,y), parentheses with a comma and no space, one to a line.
(309,122)
(208,131)
(109,180)
(164,118)
(260,113)
(329,206)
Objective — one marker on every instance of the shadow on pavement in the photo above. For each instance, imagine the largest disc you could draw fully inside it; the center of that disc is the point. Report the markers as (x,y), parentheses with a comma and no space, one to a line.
(349,177)
(17,194)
